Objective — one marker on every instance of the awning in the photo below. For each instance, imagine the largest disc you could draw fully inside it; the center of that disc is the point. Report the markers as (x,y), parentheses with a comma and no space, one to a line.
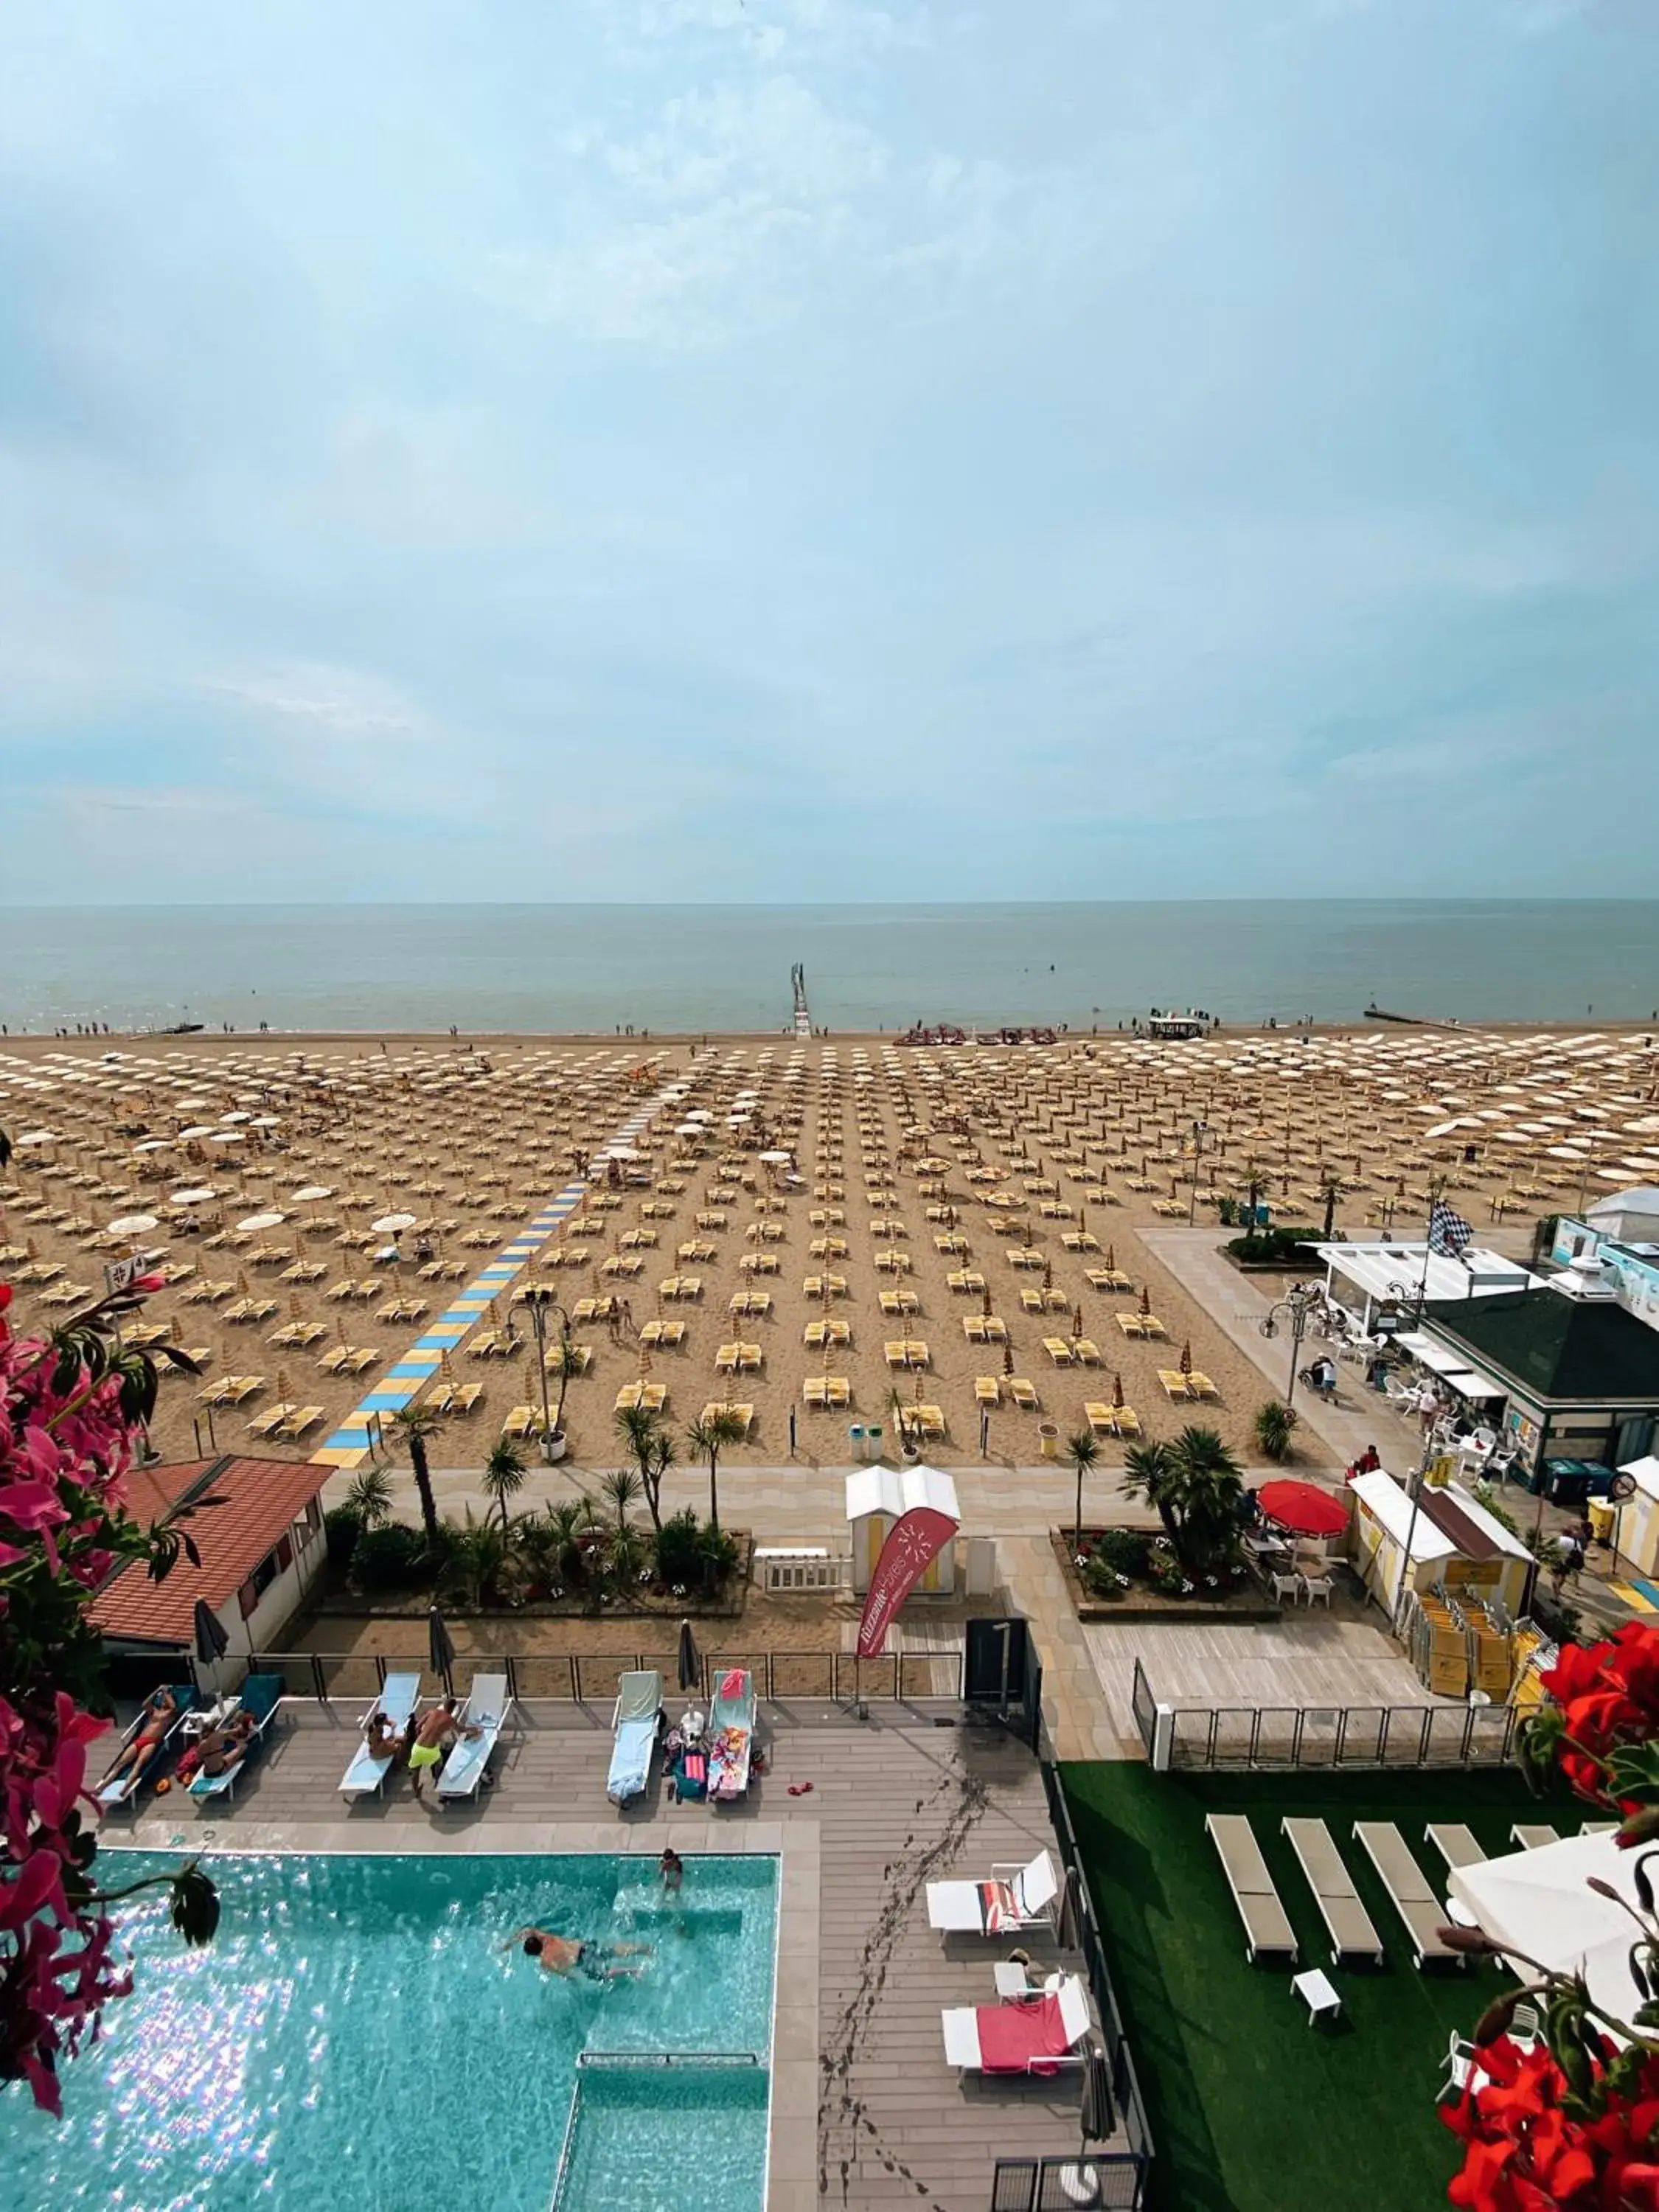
(1428,1353)
(1469,1383)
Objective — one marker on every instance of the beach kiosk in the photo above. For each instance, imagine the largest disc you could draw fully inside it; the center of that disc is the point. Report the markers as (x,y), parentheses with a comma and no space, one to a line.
(876,1497)
(1456,1545)
(1635,1523)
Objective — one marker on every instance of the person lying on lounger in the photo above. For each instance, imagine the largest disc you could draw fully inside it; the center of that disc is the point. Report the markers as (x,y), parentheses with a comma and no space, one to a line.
(157,1719)
(222,1748)
(595,1962)
(380,1739)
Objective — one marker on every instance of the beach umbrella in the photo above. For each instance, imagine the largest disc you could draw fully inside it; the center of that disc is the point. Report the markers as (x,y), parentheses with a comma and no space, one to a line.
(134,1224)
(1117,1390)
(212,1638)
(310,1192)
(258,1221)
(229,1121)
(439,1649)
(1097,2116)
(1187,1357)
(197,1195)
(227,1137)
(1303,1508)
(392,1225)
(154,1144)
(691,1662)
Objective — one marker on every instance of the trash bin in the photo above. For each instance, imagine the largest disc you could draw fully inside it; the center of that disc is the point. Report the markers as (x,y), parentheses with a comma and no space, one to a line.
(1048,1439)
(872,1441)
(1598,1513)
(855,1443)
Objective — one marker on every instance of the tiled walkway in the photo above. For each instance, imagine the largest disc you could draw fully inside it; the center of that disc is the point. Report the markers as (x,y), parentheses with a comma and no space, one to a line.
(405,1380)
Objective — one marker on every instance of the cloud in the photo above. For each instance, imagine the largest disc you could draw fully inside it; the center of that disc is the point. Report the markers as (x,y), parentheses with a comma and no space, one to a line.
(333,700)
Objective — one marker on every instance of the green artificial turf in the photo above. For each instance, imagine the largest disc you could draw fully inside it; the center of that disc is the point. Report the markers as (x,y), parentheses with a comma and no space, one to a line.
(1251,2109)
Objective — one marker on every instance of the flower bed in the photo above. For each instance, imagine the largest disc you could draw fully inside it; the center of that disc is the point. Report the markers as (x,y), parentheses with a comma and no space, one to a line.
(1132,1574)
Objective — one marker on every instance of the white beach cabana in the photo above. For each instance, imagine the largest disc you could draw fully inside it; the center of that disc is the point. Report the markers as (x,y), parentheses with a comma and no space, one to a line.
(1465,1547)
(876,1497)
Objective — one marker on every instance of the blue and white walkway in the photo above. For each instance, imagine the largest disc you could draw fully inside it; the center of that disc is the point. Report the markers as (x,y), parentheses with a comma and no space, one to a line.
(404,1381)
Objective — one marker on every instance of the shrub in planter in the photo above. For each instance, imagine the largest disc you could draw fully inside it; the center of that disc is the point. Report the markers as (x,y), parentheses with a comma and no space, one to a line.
(1123,1551)
(1275,1424)
(388,1559)
(1102,1579)
(720,1555)
(1164,1572)
(342,1526)
(680,1552)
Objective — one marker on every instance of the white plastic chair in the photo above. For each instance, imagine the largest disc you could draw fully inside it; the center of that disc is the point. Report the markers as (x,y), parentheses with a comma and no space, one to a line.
(1287,1586)
(1460,2068)
(1316,1586)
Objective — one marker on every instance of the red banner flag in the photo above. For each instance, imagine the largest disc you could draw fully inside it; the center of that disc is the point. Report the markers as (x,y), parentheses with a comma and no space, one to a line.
(913,1542)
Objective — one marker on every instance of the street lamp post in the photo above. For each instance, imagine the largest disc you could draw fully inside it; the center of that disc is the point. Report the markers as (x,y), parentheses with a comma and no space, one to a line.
(1198,1129)
(1296,1303)
(541,1302)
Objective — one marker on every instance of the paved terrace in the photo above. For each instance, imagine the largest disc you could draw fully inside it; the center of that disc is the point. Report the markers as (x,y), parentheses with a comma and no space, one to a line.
(864,2110)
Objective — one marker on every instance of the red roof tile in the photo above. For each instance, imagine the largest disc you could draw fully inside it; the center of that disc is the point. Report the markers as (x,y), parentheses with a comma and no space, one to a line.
(261,1498)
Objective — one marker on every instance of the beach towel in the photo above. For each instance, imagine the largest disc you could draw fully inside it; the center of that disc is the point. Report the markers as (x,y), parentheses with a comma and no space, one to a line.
(734,1683)
(999,1907)
(1022,2039)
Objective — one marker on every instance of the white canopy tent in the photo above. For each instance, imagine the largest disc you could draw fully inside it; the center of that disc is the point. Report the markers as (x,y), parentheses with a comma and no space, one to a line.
(1384,1523)
(1538,1902)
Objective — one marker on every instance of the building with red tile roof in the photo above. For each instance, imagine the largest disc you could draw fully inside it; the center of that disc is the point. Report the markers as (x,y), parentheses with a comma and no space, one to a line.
(261,1547)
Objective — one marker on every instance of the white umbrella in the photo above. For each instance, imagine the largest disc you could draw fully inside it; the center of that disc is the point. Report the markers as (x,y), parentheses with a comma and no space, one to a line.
(197,1129)
(154,1144)
(134,1224)
(390,1224)
(782,1158)
(38,1137)
(230,1119)
(267,1121)
(1538,1902)
(227,1137)
(311,1192)
(198,1194)
(263,1221)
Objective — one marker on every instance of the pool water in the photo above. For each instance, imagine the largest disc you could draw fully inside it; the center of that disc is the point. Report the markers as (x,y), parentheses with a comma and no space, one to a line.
(355,2036)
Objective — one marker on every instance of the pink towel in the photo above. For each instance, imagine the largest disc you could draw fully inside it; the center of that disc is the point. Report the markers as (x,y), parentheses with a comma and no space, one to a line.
(1021,2039)
(734,1684)
(999,1907)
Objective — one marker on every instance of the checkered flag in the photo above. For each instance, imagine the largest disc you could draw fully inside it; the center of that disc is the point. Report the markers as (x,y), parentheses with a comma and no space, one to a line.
(1449,1233)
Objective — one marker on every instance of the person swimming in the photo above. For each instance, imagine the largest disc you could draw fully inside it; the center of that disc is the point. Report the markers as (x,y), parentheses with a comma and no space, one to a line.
(565,1955)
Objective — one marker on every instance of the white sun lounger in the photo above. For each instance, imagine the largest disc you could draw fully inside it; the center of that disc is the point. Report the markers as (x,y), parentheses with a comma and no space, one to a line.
(367,1774)
(1014,1897)
(1454,1843)
(635,1721)
(1037,2037)
(1266,1926)
(1420,1912)
(1346,1921)
(486,1709)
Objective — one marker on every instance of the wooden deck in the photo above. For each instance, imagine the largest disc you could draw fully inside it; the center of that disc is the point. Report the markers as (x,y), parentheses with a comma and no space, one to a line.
(1311,1659)
(865,2111)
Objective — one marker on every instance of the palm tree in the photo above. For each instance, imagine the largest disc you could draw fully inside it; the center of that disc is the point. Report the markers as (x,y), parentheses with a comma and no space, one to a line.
(414,1425)
(504,1475)
(709,1437)
(1197,1485)
(565,1361)
(369,1496)
(1257,1179)
(652,1448)
(1083,1450)
(619,1488)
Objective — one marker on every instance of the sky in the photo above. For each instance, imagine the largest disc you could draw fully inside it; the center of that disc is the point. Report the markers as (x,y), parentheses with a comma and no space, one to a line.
(807,450)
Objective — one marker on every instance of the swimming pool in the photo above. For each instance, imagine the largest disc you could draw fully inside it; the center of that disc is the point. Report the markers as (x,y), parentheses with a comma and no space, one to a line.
(355,2036)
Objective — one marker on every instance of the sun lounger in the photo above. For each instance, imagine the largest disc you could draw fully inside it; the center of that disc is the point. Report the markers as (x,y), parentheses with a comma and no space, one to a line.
(1346,1921)
(1420,1910)
(635,1724)
(1174,1382)
(1266,1925)
(467,1395)
(260,1696)
(731,1736)
(1024,1393)
(1532,1836)
(398,1697)
(987,1390)
(1014,1897)
(128,1788)
(1200,1386)
(1036,2036)
(486,1709)
(1454,1843)
(1058,1350)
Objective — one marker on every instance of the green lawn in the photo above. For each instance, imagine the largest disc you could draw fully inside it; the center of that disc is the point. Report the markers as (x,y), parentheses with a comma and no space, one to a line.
(1251,2109)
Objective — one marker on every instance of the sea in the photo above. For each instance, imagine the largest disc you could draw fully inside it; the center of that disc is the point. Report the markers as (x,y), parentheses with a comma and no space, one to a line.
(677,969)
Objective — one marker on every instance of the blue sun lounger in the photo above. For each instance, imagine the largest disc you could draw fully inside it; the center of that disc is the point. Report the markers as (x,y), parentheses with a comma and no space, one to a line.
(261,1693)
(128,1788)
(367,1774)
(486,1709)
(637,1720)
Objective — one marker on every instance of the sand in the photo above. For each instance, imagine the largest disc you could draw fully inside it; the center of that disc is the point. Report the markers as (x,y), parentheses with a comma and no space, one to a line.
(474,1136)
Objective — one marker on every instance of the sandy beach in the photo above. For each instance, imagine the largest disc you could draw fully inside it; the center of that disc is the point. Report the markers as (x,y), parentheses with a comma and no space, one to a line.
(962,1222)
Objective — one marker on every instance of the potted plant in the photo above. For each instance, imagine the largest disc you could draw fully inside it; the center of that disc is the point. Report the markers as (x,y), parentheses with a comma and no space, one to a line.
(564,1361)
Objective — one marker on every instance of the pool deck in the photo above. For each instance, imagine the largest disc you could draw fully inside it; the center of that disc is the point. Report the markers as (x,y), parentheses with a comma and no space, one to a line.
(864,2110)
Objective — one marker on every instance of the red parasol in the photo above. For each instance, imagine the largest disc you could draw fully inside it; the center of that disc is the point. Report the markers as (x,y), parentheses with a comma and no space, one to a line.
(1303,1509)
